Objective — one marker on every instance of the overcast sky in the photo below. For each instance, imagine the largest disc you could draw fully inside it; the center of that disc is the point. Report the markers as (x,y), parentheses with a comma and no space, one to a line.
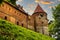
(30,5)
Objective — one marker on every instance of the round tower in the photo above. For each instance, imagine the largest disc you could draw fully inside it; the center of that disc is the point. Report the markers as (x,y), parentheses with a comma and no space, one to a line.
(40,20)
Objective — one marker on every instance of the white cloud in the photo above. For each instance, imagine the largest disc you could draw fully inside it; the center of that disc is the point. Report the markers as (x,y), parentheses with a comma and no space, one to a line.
(46,2)
(58,0)
(50,6)
(37,1)
(43,2)
(19,0)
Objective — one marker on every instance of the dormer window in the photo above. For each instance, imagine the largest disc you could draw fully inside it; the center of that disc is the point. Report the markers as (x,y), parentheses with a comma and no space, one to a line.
(41,15)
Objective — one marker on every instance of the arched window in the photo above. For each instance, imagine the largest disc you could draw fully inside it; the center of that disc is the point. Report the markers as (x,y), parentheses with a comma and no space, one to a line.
(17,23)
(22,25)
(5,17)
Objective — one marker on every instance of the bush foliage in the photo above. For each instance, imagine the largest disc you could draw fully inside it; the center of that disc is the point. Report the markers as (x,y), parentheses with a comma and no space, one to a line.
(9,31)
(9,1)
(54,27)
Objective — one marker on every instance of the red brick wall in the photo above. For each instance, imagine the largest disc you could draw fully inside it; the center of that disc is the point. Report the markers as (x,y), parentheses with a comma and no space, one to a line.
(13,15)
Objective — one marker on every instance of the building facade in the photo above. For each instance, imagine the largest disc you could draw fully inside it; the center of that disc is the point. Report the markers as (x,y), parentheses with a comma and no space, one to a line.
(37,21)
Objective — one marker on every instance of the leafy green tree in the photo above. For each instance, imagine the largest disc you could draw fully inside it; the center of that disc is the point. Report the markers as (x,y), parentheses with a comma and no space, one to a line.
(50,22)
(10,1)
(10,31)
(54,28)
(1,1)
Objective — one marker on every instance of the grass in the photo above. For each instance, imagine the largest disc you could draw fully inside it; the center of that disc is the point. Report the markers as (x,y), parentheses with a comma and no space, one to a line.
(9,31)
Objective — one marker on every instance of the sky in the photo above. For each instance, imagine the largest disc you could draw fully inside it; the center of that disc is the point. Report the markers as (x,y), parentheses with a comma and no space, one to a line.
(30,5)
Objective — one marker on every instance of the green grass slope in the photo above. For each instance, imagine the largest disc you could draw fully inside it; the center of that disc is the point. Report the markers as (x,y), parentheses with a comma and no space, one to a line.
(9,31)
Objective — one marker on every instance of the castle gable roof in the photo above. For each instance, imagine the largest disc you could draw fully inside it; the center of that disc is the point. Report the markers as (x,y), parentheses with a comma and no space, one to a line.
(38,9)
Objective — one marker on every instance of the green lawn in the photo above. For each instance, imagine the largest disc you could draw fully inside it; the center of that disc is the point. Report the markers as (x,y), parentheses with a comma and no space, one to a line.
(9,31)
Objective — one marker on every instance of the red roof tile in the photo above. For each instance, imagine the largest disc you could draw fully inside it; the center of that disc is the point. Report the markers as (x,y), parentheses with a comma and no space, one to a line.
(38,9)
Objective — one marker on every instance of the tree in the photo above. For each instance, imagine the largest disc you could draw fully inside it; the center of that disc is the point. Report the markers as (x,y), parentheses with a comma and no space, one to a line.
(10,1)
(50,22)
(1,1)
(54,28)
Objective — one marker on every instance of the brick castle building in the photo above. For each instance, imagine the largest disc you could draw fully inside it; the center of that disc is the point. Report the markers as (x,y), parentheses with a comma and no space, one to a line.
(15,14)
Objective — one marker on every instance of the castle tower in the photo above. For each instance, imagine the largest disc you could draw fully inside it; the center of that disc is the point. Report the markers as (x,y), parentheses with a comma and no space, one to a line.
(40,20)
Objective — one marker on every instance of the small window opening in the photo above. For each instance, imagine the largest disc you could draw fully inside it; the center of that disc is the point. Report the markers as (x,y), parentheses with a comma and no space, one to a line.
(42,22)
(22,25)
(41,15)
(5,18)
(17,23)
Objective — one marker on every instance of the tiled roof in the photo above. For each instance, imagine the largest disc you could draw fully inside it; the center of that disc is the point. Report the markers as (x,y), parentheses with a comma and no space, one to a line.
(38,9)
